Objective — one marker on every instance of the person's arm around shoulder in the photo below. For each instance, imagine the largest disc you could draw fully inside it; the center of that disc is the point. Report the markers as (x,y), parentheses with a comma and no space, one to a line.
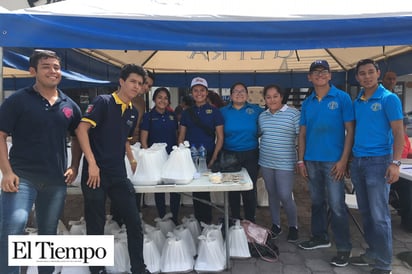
(392,173)
(301,152)
(10,181)
(82,133)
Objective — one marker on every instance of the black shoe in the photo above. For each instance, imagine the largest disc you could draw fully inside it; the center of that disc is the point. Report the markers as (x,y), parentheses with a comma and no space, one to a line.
(380,271)
(276,230)
(361,260)
(293,235)
(341,259)
(314,243)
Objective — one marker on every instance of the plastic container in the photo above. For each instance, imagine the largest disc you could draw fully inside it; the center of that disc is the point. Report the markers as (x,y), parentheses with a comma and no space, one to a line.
(202,165)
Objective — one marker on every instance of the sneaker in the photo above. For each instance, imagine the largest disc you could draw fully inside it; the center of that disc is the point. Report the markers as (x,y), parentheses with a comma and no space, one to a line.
(276,230)
(380,271)
(314,243)
(361,260)
(293,235)
(341,259)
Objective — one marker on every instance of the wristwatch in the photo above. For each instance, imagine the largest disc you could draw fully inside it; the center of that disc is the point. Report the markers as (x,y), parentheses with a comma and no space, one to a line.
(396,162)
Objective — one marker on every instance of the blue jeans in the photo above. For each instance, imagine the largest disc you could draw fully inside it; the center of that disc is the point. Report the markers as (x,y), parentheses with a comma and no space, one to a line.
(328,193)
(122,195)
(372,195)
(15,208)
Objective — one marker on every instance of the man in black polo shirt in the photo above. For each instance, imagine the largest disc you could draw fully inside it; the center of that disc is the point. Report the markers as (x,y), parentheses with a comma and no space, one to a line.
(104,134)
(38,119)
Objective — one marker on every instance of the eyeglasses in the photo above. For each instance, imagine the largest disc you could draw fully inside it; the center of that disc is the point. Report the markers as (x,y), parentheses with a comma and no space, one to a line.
(320,72)
(239,91)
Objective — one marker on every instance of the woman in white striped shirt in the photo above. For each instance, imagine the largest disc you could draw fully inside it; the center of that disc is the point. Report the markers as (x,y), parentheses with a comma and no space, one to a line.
(279,128)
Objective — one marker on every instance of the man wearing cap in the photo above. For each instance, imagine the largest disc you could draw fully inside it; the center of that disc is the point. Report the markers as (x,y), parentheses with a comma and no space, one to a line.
(324,150)
(202,124)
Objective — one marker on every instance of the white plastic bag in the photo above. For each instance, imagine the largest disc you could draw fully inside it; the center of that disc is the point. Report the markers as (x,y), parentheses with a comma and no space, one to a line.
(210,257)
(166,223)
(75,270)
(214,231)
(151,255)
(193,225)
(184,233)
(175,256)
(111,227)
(135,151)
(121,255)
(179,168)
(157,236)
(149,165)
(62,229)
(78,227)
(238,245)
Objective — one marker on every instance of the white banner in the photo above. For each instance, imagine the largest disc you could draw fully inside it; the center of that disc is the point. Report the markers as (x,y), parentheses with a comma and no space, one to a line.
(61,250)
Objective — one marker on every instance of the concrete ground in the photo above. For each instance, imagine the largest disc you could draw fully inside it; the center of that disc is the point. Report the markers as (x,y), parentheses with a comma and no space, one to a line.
(292,259)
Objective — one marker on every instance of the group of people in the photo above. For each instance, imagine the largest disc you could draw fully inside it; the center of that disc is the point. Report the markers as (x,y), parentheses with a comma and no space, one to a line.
(328,137)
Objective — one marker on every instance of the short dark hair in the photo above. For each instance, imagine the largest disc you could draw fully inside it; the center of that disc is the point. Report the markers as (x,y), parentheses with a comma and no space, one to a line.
(132,68)
(238,84)
(158,90)
(278,88)
(150,75)
(40,54)
(365,62)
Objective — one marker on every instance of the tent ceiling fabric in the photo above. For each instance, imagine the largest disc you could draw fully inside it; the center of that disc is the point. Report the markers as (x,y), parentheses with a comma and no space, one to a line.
(340,59)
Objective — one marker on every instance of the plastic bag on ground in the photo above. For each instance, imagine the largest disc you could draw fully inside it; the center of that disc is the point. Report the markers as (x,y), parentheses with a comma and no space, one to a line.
(175,256)
(211,257)
(194,227)
(184,233)
(238,244)
(166,223)
(151,255)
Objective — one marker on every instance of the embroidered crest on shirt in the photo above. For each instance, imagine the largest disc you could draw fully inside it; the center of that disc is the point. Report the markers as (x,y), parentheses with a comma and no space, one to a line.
(209,111)
(250,111)
(129,123)
(376,107)
(68,112)
(89,108)
(333,105)
(171,117)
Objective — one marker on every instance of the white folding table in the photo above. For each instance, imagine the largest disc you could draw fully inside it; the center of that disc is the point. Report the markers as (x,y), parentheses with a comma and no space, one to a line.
(201,184)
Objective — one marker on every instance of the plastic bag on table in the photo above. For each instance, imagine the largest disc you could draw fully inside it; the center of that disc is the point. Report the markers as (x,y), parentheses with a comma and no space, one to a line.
(193,225)
(211,257)
(151,255)
(149,165)
(135,150)
(179,168)
(238,244)
(166,223)
(184,233)
(175,256)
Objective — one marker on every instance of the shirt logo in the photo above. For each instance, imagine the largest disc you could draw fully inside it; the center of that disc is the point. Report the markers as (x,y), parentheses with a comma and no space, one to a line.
(209,111)
(333,105)
(250,111)
(171,117)
(89,108)
(129,123)
(376,107)
(68,112)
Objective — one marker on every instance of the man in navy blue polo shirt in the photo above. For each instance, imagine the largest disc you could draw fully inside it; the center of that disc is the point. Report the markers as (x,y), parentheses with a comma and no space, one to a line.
(38,119)
(104,134)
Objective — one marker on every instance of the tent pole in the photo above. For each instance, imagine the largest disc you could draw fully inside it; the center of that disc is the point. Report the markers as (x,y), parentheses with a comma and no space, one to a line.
(1,76)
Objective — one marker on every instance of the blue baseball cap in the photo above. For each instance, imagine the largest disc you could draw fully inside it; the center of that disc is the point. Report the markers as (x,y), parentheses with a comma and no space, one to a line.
(319,63)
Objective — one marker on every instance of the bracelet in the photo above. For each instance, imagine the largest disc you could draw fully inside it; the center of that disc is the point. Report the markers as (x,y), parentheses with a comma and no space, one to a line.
(133,162)
(300,163)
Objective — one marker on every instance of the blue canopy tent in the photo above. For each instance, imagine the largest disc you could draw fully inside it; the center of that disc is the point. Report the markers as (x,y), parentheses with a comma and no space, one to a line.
(293,32)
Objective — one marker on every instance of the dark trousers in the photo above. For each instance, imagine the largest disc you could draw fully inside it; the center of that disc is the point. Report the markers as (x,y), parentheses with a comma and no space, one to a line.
(174,205)
(249,160)
(122,195)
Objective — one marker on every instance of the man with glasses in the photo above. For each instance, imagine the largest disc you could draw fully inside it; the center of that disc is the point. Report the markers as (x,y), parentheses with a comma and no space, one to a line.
(376,162)
(325,142)
(38,119)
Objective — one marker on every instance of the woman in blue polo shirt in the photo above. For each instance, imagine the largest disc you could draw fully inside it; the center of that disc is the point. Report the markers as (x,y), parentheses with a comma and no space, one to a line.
(241,137)
(160,126)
